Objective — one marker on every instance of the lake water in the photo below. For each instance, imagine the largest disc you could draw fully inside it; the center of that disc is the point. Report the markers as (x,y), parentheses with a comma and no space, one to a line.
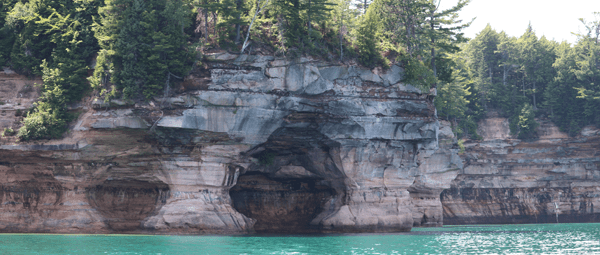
(493,239)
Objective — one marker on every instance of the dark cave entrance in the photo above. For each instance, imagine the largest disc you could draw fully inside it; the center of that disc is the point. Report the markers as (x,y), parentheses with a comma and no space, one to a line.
(125,203)
(293,180)
(280,205)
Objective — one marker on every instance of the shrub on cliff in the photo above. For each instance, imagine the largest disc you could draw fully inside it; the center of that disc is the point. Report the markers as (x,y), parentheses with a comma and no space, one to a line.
(52,39)
(7,132)
(47,120)
(527,124)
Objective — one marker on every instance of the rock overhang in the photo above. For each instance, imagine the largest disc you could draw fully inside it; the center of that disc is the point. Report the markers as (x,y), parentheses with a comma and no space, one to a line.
(361,133)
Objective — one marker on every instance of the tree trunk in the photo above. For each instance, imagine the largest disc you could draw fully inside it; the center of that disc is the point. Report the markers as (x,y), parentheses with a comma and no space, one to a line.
(237,26)
(504,76)
(308,13)
(215,24)
(534,104)
(342,39)
(205,24)
(523,85)
(433,47)
(252,22)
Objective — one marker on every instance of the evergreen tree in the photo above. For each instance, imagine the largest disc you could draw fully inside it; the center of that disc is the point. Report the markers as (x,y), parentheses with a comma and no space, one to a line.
(293,28)
(367,38)
(535,59)
(345,20)
(443,32)
(316,11)
(7,35)
(561,96)
(482,60)
(143,45)
(451,101)
(231,21)
(527,124)
(587,71)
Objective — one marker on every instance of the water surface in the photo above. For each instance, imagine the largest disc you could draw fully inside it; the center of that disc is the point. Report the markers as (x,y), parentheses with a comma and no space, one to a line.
(494,239)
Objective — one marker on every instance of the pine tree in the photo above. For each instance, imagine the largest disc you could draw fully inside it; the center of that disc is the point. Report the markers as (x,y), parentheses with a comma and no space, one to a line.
(143,45)
(7,35)
(345,20)
(367,38)
(290,11)
(316,11)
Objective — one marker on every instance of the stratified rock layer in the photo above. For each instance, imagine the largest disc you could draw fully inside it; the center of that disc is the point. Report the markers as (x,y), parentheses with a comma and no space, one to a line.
(551,179)
(299,145)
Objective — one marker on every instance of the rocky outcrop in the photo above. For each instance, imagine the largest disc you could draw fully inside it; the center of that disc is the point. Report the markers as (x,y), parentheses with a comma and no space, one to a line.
(546,180)
(248,143)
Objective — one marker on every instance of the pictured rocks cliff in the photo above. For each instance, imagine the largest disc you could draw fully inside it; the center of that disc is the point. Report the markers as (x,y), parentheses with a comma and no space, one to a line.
(254,143)
(551,179)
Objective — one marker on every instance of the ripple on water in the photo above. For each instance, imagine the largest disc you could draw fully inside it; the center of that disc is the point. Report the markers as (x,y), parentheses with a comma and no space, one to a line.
(497,239)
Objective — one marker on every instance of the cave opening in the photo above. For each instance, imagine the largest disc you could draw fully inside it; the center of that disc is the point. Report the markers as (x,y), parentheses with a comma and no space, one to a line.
(126,203)
(280,205)
(292,183)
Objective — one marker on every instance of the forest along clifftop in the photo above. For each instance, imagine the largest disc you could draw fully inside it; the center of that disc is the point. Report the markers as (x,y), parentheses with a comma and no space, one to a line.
(247,143)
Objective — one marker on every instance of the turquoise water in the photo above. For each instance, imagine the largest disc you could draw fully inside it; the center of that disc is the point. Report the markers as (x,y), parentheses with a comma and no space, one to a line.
(495,239)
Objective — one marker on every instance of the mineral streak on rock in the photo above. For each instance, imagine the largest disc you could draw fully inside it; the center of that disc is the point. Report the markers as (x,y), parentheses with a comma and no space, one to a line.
(249,143)
(547,180)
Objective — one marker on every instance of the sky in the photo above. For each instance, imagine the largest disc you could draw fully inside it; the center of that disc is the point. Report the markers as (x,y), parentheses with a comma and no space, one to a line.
(555,19)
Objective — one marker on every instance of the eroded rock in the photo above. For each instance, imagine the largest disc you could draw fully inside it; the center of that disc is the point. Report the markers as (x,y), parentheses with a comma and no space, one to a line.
(255,143)
(552,179)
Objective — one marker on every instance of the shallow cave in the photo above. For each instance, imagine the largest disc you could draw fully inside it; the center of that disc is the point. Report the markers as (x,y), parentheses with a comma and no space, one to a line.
(281,205)
(295,175)
(125,203)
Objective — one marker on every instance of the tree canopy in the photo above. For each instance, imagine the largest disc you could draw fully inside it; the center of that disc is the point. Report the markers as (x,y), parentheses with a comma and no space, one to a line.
(138,49)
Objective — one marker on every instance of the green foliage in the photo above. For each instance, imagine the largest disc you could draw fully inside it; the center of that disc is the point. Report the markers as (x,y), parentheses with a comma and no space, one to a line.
(344,19)
(509,75)
(527,124)
(7,35)
(367,38)
(456,102)
(52,39)
(461,146)
(292,26)
(142,46)
(49,118)
(8,132)
(528,76)
(561,96)
(42,124)
(418,73)
(231,19)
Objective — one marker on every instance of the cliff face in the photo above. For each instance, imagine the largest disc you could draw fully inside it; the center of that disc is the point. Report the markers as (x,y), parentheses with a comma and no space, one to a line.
(248,143)
(552,179)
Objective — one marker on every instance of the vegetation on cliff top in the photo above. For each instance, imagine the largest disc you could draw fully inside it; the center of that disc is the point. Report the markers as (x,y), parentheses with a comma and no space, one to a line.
(522,78)
(141,47)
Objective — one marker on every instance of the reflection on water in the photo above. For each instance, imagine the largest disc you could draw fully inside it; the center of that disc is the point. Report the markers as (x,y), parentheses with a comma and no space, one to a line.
(497,239)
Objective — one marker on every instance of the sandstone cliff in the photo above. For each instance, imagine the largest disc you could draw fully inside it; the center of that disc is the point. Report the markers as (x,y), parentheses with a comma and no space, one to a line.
(247,143)
(504,180)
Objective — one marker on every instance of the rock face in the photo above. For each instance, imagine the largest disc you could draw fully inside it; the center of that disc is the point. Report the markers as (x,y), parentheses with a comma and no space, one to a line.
(248,143)
(263,144)
(547,180)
